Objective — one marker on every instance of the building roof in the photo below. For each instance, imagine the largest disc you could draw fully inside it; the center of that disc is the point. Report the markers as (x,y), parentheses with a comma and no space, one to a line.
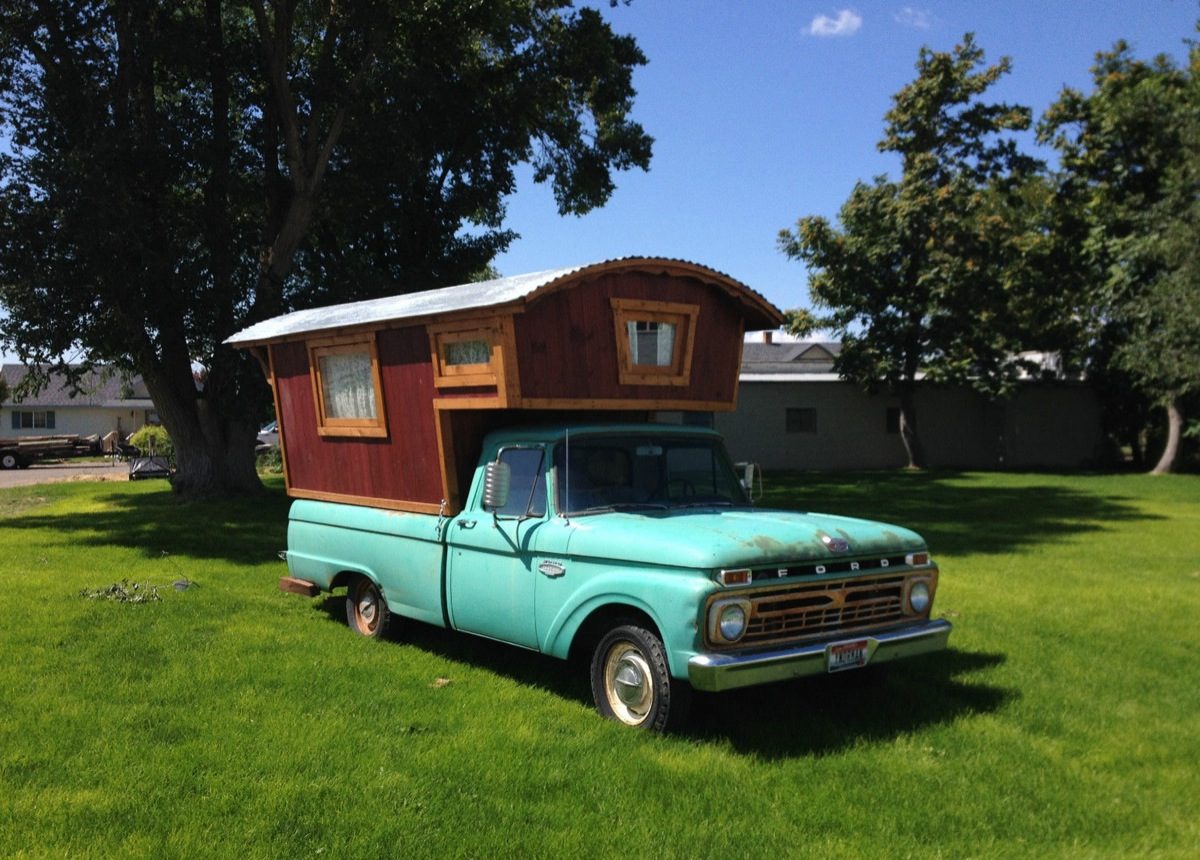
(491,294)
(802,357)
(102,386)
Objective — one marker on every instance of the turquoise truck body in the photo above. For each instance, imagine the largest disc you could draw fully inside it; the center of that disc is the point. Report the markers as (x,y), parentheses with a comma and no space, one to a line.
(545,573)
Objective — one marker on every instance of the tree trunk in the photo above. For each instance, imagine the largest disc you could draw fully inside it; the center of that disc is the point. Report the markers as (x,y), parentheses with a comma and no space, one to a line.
(214,447)
(908,429)
(1167,462)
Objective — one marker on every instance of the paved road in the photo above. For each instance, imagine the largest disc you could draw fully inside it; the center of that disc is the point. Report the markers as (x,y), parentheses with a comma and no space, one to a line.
(45,473)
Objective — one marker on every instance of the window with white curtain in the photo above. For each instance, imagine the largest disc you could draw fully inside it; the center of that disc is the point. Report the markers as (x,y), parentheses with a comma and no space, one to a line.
(654,341)
(464,352)
(651,343)
(349,385)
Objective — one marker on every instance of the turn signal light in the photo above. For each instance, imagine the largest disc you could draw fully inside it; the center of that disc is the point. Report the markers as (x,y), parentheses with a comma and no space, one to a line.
(915,558)
(734,577)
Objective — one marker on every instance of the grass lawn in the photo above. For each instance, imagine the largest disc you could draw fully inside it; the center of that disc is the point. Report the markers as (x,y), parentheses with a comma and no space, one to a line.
(229,719)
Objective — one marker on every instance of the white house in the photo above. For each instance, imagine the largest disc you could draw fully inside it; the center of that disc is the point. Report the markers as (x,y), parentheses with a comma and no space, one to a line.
(794,412)
(105,402)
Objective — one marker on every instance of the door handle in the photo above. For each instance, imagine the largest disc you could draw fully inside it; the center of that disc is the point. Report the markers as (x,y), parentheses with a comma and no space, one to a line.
(466,524)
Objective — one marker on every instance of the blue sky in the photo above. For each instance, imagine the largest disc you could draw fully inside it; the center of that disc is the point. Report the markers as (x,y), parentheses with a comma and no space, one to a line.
(766,110)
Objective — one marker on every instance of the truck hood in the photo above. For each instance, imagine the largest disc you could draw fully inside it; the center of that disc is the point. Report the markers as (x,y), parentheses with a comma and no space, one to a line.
(737,537)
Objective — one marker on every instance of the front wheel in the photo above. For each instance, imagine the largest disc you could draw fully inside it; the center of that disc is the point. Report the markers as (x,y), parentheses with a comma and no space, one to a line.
(366,610)
(631,682)
(9,460)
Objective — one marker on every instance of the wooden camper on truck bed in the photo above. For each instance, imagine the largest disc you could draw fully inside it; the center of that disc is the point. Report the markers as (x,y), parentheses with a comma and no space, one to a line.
(385,402)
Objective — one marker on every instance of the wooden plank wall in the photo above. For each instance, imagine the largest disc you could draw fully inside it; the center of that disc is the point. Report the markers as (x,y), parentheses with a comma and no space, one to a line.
(403,466)
(566,342)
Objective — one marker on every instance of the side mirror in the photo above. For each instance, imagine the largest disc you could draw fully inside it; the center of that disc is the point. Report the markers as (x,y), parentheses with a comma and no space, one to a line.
(497,478)
(751,478)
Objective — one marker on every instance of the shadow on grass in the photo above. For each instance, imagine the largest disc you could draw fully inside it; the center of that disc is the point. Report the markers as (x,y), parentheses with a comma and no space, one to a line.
(826,713)
(956,512)
(807,717)
(245,529)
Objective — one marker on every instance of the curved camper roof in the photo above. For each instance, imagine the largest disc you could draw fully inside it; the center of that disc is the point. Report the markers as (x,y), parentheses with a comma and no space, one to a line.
(518,289)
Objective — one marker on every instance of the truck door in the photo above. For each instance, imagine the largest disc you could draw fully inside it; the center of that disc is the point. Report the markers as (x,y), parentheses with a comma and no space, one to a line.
(492,569)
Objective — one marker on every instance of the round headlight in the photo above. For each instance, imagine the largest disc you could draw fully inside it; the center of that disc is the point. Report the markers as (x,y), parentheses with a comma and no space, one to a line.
(732,622)
(918,597)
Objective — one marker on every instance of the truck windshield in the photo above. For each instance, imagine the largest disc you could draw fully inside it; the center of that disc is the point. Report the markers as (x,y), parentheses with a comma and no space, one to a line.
(621,472)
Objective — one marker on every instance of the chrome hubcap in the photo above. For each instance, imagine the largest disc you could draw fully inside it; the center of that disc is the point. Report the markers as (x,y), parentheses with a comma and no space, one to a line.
(368,608)
(628,684)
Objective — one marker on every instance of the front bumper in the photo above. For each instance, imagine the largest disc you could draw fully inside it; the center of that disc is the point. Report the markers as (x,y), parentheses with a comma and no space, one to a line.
(716,672)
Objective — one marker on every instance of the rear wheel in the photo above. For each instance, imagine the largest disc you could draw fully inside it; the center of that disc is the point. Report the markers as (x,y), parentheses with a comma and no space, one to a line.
(9,460)
(631,682)
(366,610)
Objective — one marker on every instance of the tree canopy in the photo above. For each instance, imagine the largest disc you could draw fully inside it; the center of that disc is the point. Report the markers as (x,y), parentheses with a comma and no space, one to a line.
(1130,168)
(183,169)
(908,279)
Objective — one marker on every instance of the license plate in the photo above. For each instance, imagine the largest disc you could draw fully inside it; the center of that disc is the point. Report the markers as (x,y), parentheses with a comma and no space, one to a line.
(846,655)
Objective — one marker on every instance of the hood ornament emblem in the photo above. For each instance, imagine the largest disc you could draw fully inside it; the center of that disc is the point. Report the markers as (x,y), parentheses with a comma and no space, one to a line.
(835,544)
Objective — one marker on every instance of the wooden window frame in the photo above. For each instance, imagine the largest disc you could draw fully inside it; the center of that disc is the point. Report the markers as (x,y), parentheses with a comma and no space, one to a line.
(353,427)
(682,316)
(466,375)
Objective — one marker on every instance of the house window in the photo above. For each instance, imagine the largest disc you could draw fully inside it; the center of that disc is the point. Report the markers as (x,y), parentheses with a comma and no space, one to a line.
(346,387)
(465,356)
(654,341)
(801,420)
(892,421)
(29,420)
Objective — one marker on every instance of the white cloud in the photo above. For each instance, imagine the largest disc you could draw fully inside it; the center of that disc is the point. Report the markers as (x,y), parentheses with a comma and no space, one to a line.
(918,19)
(845,24)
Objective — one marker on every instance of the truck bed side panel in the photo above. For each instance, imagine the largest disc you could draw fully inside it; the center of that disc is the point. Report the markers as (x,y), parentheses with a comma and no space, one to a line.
(399,551)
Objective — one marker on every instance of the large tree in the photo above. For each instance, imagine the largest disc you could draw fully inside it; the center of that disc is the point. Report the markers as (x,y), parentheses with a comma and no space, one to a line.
(182,169)
(924,275)
(1130,165)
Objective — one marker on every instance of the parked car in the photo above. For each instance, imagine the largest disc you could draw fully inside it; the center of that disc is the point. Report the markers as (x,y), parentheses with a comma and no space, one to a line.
(268,438)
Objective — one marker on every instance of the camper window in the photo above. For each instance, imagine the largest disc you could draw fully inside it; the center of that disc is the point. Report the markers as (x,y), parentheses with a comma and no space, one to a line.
(654,341)
(346,387)
(464,355)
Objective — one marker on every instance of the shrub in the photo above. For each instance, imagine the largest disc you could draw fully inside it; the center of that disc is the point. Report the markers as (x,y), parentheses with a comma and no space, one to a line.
(270,462)
(153,438)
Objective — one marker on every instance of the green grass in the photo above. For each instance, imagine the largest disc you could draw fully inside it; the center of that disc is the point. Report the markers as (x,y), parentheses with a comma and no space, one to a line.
(230,719)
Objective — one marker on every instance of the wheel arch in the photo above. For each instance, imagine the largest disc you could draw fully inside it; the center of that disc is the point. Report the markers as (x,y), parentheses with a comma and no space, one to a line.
(345,578)
(599,621)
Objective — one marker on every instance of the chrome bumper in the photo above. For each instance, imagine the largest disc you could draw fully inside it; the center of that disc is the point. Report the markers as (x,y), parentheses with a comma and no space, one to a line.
(716,672)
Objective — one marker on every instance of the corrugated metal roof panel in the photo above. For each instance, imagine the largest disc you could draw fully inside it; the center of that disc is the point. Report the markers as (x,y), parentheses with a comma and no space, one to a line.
(484,294)
(428,303)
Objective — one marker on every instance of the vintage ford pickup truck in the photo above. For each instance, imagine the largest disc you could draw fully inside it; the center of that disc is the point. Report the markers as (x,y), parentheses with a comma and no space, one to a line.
(634,545)
(524,459)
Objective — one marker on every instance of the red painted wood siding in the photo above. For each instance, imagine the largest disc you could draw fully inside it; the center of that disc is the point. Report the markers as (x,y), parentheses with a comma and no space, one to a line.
(402,467)
(566,341)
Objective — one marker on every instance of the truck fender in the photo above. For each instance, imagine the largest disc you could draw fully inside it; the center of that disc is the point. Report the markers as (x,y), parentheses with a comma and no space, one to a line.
(675,610)
(328,573)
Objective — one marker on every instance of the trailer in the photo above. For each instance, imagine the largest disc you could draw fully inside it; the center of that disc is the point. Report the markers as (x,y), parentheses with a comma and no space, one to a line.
(22,451)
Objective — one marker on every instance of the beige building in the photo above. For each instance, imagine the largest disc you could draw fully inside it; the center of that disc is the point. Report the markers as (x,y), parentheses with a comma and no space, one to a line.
(105,402)
(794,412)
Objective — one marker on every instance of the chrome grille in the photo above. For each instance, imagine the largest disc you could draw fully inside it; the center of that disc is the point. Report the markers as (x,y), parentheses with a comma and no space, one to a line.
(823,608)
